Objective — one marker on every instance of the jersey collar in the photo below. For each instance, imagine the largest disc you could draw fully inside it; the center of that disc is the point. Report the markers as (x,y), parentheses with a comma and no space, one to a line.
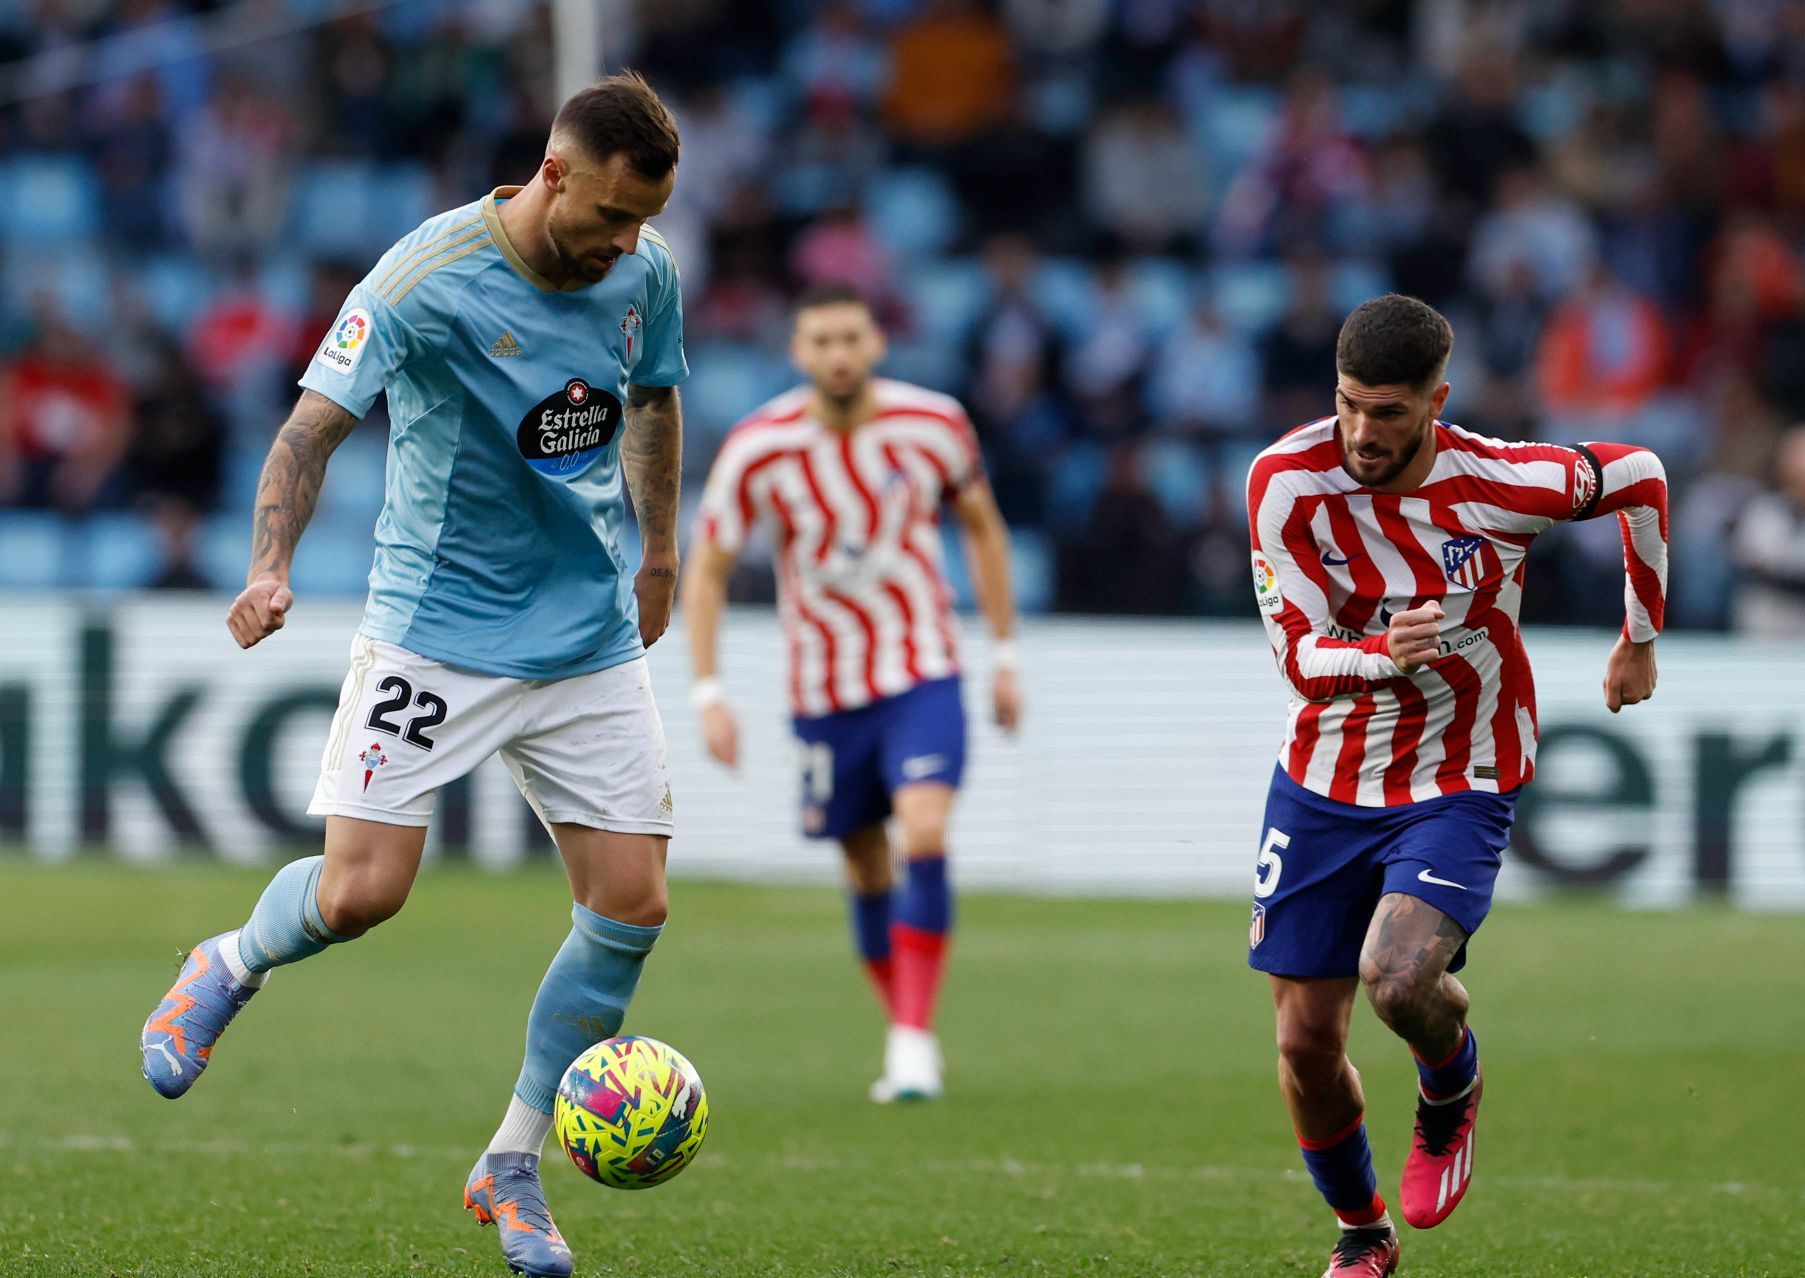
(492,219)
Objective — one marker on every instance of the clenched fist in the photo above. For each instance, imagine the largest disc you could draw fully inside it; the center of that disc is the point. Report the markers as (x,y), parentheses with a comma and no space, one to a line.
(260,610)
(1415,637)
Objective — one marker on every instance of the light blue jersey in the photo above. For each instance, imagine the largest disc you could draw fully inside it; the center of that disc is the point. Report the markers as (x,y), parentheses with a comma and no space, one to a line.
(499,545)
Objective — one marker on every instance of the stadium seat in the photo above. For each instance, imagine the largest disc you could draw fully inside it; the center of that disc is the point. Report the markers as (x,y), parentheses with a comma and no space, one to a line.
(1030,569)
(286,282)
(34,558)
(53,200)
(352,209)
(1374,111)
(946,297)
(175,287)
(1073,486)
(1237,122)
(1031,565)
(333,561)
(728,380)
(1179,476)
(1236,460)
(115,551)
(1164,293)
(404,198)
(1250,295)
(75,275)
(1064,289)
(913,212)
(926,363)
(1357,280)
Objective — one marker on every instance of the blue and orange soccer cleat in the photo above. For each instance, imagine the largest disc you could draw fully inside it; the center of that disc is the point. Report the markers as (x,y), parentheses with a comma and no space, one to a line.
(178,1038)
(504,1191)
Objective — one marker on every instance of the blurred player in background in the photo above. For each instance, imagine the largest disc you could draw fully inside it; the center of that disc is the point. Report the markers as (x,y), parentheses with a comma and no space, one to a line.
(1388,559)
(851,472)
(503,615)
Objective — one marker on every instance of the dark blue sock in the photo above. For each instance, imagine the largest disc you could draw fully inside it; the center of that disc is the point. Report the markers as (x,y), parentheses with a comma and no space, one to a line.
(1452,1076)
(871,924)
(1342,1167)
(926,900)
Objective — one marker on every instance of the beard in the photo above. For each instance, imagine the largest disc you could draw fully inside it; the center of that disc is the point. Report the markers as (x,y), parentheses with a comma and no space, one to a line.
(575,266)
(847,401)
(1376,472)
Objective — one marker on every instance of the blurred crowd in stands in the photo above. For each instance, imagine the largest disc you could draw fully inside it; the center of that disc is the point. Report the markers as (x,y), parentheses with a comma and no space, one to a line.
(1123,231)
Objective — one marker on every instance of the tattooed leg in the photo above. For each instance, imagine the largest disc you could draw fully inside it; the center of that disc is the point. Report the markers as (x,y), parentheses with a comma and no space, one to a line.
(1404,966)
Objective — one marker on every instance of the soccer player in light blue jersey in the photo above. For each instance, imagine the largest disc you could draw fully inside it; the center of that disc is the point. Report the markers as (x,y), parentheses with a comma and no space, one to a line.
(530,345)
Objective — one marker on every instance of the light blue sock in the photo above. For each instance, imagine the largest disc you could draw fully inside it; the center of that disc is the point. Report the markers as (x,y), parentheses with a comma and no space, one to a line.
(287,926)
(582,999)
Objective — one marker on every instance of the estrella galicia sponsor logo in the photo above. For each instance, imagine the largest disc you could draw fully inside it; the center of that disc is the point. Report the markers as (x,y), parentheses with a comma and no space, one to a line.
(565,432)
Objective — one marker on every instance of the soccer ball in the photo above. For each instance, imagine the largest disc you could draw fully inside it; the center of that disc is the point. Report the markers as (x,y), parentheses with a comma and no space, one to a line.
(631,1112)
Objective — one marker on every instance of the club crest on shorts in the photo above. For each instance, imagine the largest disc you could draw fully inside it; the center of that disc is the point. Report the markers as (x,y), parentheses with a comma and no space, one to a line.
(373,760)
(1256,929)
(1464,560)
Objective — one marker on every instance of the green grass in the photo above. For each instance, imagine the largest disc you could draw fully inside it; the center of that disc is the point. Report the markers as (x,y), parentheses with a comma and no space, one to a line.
(1111,1107)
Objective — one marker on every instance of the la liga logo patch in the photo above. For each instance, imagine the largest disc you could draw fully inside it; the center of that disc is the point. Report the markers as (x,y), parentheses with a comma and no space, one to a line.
(564,432)
(346,343)
(1266,584)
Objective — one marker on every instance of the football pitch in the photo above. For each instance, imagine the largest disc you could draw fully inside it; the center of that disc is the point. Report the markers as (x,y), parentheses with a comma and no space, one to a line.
(1111,1106)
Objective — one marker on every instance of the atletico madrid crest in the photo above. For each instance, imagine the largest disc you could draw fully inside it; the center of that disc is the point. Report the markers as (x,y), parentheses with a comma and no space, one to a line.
(1464,559)
(1256,930)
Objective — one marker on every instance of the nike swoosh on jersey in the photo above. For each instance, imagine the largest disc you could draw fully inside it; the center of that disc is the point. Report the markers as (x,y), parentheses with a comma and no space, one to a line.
(1426,876)
(1329,560)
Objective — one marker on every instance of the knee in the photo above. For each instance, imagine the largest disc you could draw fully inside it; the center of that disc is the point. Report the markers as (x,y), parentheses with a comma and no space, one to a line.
(353,905)
(1400,998)
(868,878)
(1312,1053)
(923,837)
(648,907)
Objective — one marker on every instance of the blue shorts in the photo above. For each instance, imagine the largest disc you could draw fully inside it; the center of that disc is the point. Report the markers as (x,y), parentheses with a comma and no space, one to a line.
(853,761)
(1324,865)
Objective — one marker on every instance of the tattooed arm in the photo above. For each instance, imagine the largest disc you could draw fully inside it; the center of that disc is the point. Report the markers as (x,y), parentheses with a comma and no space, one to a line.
(652,454)
(286,495)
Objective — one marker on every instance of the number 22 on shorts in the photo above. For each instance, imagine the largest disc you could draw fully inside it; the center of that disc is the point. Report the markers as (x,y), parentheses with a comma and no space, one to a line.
(400,693)
(1270,864)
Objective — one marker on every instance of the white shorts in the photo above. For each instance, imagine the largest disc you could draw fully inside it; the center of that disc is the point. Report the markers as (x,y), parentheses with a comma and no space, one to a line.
(588,750)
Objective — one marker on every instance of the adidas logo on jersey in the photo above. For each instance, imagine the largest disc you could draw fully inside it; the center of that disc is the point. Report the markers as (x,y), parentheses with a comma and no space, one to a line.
(506,345)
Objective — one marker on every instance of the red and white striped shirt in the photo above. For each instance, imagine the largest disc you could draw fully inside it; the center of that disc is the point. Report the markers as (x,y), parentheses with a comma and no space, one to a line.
(861,584)
(1333,560)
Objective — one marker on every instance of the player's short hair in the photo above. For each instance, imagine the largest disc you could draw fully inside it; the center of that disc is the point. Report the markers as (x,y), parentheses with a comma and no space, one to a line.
(1394,339)
(622,115)
(832,293)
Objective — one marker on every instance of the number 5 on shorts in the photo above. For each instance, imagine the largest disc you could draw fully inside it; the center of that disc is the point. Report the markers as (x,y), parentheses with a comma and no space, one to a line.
(1270,864)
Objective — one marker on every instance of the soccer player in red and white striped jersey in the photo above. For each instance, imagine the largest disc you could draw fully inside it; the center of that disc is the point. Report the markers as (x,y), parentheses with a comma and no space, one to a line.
(850,473)
(1388,563)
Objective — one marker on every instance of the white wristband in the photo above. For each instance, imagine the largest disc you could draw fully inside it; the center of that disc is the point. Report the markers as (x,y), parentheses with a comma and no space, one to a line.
(706,692)
(1005,655)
